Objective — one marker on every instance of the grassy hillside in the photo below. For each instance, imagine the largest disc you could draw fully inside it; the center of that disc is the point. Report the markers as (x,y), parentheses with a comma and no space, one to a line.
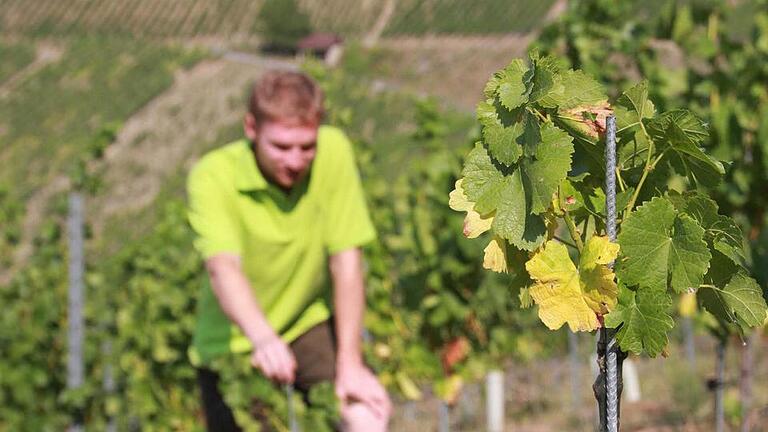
(15,56)
(418,17)
(53,114)
(227,18)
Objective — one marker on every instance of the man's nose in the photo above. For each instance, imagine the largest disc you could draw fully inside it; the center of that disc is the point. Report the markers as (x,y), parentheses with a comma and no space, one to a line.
(296,161)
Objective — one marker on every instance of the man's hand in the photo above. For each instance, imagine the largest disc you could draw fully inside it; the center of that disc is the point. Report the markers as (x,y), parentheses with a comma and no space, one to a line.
(275,359)
(355,383)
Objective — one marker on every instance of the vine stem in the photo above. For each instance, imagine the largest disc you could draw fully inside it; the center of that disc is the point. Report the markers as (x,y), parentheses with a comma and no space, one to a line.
(540,115)
(648,168)
(573,231)
(565,242)
(622,185)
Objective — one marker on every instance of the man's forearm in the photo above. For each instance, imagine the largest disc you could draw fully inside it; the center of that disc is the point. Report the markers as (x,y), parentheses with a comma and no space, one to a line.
(349,304)
(233,291)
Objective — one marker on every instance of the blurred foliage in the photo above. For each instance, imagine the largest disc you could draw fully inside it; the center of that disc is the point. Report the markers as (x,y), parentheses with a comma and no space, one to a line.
(33,338)
(434,315)
(419,17)
(15,57)
(11,212)
(58,110)
(284,24)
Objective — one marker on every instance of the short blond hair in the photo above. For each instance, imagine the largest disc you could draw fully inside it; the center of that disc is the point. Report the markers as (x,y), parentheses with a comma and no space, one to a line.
(286,96)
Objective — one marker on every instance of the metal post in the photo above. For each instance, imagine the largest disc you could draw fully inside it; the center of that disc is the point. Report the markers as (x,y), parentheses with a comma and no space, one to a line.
(611,348)
(109,380)
(494,401)
(76,294)
(293,423)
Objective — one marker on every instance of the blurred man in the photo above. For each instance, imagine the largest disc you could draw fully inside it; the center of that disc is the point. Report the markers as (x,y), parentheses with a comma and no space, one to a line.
(280,217)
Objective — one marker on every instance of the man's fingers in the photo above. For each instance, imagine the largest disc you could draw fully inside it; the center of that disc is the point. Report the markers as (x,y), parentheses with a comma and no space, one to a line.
(281,372)
(374,405)
(286,364)
(377,403)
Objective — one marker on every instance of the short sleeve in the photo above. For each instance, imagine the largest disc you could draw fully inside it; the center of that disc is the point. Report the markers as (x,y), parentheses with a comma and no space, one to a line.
(349,224)
(211,213)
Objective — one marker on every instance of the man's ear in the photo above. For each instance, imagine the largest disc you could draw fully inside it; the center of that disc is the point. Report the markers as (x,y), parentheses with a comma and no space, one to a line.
(250,127)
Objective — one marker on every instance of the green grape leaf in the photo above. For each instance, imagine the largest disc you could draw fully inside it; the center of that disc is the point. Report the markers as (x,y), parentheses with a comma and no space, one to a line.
(657,244)
(543,79)
(569,295)
(727,238)
(721,232)
(681,132)
(549,166)
(502,141)
(696,205)
(531,136)
(491,191)
(512,220)
(511,88)
(633,106)
(483,182)
(731,295)
(572,89)
(643,318)
(534,234)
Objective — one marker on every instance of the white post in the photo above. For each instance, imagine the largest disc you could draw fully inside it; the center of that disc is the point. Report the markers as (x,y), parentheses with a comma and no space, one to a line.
(631,381)
(494,401)
(443,417)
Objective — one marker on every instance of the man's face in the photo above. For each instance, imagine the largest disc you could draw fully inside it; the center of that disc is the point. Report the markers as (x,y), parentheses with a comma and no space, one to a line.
(284,150)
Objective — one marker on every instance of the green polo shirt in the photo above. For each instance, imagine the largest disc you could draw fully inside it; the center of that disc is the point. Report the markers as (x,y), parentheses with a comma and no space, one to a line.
(284,240)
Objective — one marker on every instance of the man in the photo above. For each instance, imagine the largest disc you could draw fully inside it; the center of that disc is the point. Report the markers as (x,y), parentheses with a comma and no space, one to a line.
(280,218)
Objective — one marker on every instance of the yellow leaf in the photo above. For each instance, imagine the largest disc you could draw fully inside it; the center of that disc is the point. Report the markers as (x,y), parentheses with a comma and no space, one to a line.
(407,386)
(457,200)
(496,255)
(474,224)
(597,279)
(569,295)
(382,350)
(687,304)
(449,389)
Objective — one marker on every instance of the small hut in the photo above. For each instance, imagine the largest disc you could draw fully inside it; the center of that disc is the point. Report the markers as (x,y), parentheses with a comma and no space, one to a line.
(328,46)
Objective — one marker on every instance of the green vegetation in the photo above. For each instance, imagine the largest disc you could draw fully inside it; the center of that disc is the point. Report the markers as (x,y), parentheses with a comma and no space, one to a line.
(419,17)
(11,211)
(33,337)
(227,18)
(283,24)
(15,56)
(435,318)
(52,116)
(541,161)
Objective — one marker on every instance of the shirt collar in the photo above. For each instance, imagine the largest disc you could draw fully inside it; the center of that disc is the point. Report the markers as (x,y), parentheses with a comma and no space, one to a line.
(248,177)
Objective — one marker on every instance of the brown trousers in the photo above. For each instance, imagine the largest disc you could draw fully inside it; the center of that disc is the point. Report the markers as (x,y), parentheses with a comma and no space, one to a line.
(315,353)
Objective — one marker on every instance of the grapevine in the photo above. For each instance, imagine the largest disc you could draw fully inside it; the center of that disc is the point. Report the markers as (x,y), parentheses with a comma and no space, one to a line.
(537,171)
